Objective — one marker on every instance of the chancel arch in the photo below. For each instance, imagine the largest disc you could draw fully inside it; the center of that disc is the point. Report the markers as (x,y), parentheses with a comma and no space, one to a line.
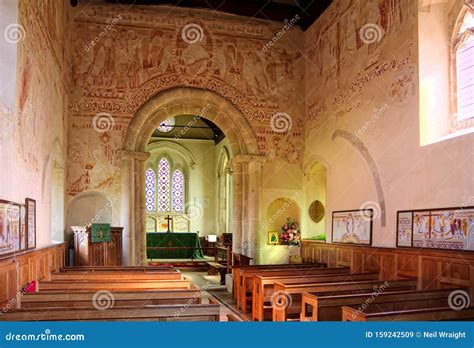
(246,165)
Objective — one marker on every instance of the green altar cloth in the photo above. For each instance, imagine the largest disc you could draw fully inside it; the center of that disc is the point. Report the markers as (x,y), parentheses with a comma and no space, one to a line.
(187,245)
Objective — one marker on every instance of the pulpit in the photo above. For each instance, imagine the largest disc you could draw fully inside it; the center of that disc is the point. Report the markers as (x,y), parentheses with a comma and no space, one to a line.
(87,253)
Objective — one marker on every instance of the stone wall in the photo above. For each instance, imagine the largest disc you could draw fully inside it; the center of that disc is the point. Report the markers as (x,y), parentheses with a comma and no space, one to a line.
(33,131)
(122,57)
(363,116)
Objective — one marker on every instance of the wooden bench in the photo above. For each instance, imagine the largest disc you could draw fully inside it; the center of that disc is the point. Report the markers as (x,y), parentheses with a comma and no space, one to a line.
(427,314)
(232,317)
(217,268)
(115,299)
(116,269)
(320,307)
(110,285)
(237,271)
(247,279)
(263,287)
(196,312)
(104,276)
(293,292)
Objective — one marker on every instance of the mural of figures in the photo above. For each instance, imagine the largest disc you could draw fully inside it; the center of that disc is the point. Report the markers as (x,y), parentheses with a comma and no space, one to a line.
(119,63)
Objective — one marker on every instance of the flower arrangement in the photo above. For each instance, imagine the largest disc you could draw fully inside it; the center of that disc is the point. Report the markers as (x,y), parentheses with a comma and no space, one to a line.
(290,235)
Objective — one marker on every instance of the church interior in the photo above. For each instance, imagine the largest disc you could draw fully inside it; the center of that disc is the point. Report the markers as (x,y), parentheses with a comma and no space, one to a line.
(267,160)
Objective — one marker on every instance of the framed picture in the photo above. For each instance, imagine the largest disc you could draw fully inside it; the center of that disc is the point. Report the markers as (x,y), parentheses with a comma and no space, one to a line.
(273,238)
(31,222)
(443,228)
(9,227)
(404,228)
(352,226)
(23,234)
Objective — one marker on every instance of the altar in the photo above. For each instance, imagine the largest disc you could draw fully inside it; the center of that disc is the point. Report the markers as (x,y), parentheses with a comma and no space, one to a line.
(170,245)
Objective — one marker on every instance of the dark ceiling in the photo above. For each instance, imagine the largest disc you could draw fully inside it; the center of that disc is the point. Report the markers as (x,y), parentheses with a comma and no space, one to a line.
(275,10)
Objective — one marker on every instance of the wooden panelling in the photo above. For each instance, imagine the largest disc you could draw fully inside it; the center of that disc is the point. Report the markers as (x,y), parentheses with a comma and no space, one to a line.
(433,268)
(17,271)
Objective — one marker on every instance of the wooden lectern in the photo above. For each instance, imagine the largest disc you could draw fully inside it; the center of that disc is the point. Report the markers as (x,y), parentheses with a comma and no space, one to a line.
(97,254)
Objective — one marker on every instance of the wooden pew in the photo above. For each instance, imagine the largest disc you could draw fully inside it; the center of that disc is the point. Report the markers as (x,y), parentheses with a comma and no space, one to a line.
(112,299)
(321,307)
(236,272)
(111,285)
(196,312)
(294,292)
(232,317)
(116,268)
(426,314)
(247,278)
(263,287)
(104,276)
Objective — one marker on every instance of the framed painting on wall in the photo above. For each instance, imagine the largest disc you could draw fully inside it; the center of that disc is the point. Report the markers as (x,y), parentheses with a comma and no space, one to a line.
(443,228)
(23,234)
(352,226)
(31,222)
(273,238)
(404,228)
(9,227)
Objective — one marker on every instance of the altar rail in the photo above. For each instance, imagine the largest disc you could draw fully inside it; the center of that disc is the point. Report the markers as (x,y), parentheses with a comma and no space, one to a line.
(434,269)
(18,270)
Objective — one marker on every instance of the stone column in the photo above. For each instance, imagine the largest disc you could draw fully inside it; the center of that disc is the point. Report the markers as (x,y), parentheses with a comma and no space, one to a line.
(132,217)
(247,179)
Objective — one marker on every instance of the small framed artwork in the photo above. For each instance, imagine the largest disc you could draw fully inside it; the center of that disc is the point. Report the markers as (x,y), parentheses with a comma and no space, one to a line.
(404,228)
(439,228)
(9,227)
(352,226)
(23,234)
(273,238)
(31,222)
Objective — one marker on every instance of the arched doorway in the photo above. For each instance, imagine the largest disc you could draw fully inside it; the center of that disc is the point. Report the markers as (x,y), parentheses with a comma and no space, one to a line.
(246,165)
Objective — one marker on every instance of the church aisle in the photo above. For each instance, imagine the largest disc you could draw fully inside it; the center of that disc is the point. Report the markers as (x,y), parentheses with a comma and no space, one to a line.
(212,289)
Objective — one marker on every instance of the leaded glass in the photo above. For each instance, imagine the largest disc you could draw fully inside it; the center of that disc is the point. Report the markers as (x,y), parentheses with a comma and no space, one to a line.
(164,185)
(166,126)
(150,190)
(178,191)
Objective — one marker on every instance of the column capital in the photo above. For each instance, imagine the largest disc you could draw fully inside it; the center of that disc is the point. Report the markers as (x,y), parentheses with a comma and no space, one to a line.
(137,155)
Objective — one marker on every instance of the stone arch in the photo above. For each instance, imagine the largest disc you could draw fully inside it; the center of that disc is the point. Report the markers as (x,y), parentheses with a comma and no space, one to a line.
(246,165)
(191,101)
(180,149)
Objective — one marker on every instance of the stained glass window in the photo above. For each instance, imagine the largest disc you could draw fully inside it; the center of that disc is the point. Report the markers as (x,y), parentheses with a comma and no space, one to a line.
(166,126)
(164,185)
(178,191)
(150,187)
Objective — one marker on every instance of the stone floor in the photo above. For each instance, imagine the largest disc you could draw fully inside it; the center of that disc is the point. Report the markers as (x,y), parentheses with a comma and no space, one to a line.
(212,289)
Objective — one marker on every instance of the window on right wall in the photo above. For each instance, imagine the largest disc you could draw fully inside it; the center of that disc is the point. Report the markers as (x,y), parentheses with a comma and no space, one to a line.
(462,72)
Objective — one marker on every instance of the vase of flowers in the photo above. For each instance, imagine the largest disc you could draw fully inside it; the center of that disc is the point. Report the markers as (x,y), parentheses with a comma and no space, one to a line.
(290,234)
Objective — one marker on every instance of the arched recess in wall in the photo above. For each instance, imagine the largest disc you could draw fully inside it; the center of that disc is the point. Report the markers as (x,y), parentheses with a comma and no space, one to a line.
(224,191)
(315,188)
(57,192)
(88,207)
(379,207)
(277,213)
(178,158)
(246,165)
